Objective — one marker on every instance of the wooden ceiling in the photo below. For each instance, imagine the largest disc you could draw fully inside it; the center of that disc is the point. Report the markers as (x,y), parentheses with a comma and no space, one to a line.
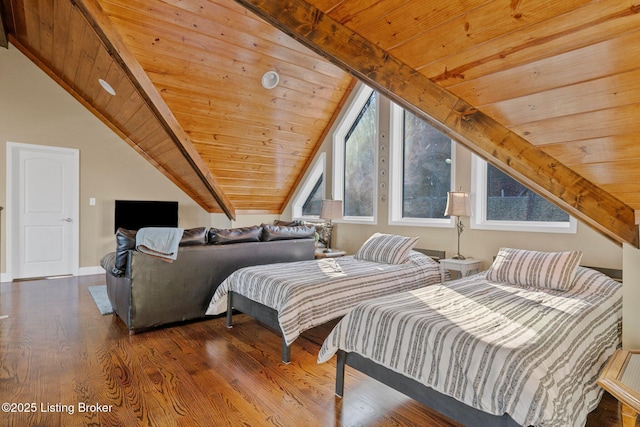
(548,91)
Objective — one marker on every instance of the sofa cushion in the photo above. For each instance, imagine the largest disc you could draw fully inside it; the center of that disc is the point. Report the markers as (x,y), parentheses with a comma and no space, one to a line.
(223,236)
(194,236)
(125,241)
(281,223)
(275,232)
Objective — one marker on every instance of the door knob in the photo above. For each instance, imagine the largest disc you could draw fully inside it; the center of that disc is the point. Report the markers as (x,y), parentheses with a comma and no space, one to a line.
(67,220)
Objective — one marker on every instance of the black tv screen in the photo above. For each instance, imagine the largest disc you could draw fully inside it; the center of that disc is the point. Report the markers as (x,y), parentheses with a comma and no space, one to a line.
(136,214)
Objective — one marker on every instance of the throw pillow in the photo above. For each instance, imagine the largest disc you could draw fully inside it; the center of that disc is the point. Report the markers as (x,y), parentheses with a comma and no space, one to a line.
(219,236)
(386,248)
(275,232)
(554,270)
(194,236)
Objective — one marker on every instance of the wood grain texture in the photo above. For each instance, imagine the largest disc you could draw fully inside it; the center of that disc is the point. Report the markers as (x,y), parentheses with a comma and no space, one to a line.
(508,150)
(560,75)
(56,348)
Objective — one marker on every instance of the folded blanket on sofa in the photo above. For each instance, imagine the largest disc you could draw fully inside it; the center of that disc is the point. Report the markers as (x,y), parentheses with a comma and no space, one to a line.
(161,242)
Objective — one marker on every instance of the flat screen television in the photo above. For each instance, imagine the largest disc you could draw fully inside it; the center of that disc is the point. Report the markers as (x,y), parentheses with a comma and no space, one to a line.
(135,214)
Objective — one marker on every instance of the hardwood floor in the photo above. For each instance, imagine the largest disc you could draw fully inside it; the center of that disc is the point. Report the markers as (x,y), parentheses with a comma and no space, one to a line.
(68,365)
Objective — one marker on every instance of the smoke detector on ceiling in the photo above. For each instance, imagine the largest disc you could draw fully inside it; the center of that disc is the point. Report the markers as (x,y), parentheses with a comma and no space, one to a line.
(270,79)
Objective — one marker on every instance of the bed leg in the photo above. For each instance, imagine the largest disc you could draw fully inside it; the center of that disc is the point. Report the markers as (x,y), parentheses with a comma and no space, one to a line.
(229,311)
(286,352)
(342,356)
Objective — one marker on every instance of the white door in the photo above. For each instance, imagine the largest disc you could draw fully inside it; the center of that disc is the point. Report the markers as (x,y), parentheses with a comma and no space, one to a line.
(44,210)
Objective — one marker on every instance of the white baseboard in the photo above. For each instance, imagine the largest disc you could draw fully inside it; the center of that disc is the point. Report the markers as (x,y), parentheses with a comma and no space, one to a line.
(88,271)
(82,271)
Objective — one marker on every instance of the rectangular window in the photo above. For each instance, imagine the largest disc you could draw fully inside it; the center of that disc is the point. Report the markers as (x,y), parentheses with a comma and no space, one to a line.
(508,200)
(308,201)
(313,204)
(502,203)
(426,169)
(421,170)
(359,162)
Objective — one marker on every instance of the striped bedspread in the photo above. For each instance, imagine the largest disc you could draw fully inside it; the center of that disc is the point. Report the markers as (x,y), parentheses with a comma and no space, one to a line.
(532,353)
(310,293)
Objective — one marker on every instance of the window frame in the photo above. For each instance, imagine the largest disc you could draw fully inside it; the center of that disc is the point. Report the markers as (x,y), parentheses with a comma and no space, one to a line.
(396,166)
(352,112)
(479,219)
(318,169)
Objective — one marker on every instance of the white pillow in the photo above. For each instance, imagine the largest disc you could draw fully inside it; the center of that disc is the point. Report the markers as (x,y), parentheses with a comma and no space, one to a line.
(555,270)
(387,248)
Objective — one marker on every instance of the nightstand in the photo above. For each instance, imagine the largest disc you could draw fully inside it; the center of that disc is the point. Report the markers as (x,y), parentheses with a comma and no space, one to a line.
(333,254)
(621,378)
(463,267)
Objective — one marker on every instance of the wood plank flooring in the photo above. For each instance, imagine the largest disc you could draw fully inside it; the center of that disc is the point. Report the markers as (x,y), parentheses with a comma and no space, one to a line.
(62,363)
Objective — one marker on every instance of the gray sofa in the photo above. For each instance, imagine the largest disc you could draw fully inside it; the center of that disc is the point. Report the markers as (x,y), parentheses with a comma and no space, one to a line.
(147,292)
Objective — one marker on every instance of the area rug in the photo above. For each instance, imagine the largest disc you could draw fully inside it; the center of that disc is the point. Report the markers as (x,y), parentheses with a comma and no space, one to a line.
(99,294)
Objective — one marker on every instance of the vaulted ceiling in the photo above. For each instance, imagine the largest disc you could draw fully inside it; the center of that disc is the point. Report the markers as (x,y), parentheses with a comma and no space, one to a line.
(548,91)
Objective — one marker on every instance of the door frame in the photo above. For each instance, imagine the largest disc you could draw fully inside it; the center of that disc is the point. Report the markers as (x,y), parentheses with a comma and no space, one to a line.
(12,211)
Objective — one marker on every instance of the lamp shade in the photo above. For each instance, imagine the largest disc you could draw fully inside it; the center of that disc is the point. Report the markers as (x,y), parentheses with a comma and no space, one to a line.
(458,204)
(331,209)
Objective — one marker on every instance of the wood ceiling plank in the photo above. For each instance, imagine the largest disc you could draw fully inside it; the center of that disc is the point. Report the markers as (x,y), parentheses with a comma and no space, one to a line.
(229,110)
(236,18)
(174,45)
(78,31)
(455,117)
(613,173)
(195,50)
(101,65)
(586,25)
(560,70)
(579,127)
(240,168)
(608,149)
(62,24)
(265,108)
(256,134)
(399,22)
(46,14)
(599,94)
(104,29)
(475,27)
(90,48)
(218,73)
(32,28)
(114,77)
(256,184)
(249,37)
(227,149)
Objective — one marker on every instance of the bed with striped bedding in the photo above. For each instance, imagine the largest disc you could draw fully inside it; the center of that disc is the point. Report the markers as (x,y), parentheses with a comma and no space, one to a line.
(488,353)
(305,294)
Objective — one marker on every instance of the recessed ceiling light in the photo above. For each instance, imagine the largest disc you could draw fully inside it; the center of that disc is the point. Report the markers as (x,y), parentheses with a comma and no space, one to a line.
(270,79)
(106,86)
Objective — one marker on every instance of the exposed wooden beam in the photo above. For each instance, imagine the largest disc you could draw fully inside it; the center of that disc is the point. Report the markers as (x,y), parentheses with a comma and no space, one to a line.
(132,68)
(450,114)
(4,40)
